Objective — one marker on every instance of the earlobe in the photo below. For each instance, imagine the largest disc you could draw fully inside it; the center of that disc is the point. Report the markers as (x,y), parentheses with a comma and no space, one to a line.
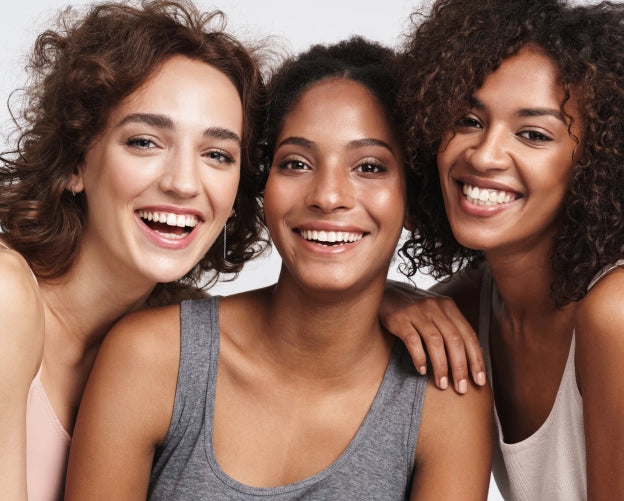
(76,183)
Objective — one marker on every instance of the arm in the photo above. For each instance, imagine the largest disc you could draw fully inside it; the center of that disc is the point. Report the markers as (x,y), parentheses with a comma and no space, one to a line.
(454,451)
(21,347)
(429,317)
(599,330)
(126,408)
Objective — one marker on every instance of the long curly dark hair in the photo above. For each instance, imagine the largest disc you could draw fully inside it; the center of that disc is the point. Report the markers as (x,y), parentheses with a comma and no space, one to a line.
(449,54)
(78,73)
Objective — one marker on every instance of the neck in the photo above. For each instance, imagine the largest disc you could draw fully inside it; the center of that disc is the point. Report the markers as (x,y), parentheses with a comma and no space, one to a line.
(85,303)
(326,334)
(523,283)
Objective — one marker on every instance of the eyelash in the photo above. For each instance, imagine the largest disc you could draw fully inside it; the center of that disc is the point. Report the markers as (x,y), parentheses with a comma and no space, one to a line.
(542,138)
(377,167)
(223,157)
(141,143)
(290,163)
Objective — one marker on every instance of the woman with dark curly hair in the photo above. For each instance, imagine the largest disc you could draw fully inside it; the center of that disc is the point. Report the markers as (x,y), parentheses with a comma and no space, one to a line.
(516,112)
(140,120)
(293,391)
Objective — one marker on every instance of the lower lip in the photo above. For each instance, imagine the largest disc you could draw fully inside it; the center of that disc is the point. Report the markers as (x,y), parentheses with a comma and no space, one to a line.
(318,248)
(164,242)
(473,209)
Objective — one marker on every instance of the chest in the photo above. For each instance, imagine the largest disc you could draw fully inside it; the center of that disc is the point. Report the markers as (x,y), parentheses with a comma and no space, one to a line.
(527,372)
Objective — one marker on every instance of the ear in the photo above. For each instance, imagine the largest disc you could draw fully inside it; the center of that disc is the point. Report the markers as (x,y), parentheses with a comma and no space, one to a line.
(76,182)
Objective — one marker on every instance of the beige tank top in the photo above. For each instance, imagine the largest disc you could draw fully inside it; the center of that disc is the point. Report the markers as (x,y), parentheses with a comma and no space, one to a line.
(550,464)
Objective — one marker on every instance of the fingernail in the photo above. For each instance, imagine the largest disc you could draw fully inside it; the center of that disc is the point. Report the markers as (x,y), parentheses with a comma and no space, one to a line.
(462,387)
(422,369)
(481,378)
(443,383)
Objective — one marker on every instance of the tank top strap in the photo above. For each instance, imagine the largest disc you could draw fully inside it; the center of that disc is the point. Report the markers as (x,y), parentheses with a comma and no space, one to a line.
(605,271)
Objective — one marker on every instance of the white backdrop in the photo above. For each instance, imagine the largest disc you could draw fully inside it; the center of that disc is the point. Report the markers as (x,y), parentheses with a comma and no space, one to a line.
(295,25)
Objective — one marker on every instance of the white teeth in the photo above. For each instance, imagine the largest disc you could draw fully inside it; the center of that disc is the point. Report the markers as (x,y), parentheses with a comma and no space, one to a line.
(331,236)
(169,218)
(484,196)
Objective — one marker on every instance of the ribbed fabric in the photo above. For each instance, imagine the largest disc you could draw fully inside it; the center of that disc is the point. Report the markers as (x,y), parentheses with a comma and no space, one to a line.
(377,465)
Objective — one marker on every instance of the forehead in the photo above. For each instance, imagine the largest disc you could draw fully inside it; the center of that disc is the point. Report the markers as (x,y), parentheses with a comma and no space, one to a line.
(184,83)
(341,103)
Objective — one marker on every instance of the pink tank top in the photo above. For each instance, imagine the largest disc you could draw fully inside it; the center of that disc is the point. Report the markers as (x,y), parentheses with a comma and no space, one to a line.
(47,443)
(47,447)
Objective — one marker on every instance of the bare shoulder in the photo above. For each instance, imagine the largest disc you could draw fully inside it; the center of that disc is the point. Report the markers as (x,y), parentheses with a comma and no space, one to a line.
(602,305)
(23,318)
(148,338)
(599,323)
(453,455)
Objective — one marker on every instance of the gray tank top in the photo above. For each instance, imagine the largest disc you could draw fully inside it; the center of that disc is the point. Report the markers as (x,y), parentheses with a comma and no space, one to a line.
(378,464)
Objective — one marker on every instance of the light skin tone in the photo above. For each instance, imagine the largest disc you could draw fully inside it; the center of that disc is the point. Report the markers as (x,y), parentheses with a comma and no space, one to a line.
(172,147)
(335,198)
(517,148)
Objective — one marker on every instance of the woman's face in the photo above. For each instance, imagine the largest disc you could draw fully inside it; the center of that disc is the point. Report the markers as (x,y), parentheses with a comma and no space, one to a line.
(335,198)
(506,168)
(160,181)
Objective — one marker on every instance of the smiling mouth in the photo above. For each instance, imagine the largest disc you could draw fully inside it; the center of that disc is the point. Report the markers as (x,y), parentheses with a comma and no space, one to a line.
(169,225)
(330,238)
(488,196)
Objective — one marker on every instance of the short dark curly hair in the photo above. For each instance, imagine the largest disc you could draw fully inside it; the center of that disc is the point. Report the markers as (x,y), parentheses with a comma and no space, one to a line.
(449,54)
(368,63)
(78,73)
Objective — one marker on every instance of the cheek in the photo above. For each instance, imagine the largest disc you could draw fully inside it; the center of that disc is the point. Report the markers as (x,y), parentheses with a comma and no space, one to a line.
(221,189)
(274,193)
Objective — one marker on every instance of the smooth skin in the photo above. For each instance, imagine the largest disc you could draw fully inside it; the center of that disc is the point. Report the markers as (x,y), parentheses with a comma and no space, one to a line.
(159,152)
(313,339)
(516,142)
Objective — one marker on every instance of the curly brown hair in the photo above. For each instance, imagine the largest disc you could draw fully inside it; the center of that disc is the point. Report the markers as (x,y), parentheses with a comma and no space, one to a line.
(78,73)
(449,54)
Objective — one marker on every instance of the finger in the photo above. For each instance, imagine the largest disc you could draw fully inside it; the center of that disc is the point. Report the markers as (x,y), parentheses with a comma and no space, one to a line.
(455,353)
(434,342)
(472,346)
(415,348)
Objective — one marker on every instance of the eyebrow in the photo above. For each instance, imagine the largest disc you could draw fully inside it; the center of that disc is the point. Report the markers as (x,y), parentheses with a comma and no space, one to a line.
(526,112)
(369,141)
(164,122)
(352,145)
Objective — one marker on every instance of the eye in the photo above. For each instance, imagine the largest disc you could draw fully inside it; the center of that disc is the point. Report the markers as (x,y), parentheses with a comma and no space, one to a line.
(140,143)
(533,135)
(371,168)
(220,156)
(468,122)
(292,164)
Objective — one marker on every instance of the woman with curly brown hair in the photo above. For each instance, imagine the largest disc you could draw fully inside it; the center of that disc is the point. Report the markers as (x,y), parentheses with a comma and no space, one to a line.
(516,113)
(140,121)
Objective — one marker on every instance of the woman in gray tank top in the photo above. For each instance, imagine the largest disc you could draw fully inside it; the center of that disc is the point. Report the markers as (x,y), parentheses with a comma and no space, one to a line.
(294,391)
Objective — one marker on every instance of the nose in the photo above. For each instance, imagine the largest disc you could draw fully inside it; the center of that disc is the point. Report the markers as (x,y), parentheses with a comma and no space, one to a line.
(181,174)
(489,152)
(330,189)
